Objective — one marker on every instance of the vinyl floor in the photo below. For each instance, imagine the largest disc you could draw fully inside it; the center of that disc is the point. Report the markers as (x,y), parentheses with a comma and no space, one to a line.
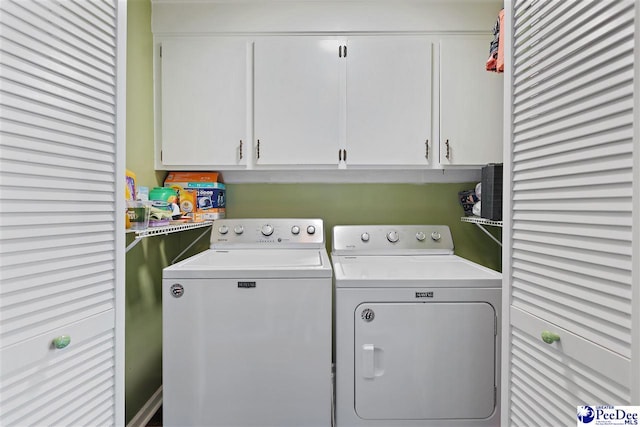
(156,420)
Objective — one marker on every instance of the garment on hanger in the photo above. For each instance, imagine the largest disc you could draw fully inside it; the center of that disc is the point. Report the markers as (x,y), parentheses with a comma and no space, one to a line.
(496,49)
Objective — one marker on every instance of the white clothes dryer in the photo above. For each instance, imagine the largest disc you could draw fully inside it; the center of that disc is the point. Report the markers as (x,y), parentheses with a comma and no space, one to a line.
(417,330)
(247,328)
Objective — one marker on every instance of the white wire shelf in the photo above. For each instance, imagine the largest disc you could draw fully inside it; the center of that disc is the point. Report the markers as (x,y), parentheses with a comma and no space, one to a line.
(481,222)
(168,229)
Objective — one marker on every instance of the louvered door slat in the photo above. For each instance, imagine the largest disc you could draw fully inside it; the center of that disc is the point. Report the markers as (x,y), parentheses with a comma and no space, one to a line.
(16,34)
(50,65)
(613,73)
(570,207)
(27,132)
(560,81)
(580,34)
(51,107)
(61,249)
(606,231)
(65,288)
(599,126)
(78,22)
(38,89)
(77,87)
(27,116)
(615,148)
(554,17)
(605,177)
(57,36)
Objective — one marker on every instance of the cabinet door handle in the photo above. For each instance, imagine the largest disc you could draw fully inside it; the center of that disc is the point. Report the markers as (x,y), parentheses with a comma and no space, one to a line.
(549,337)
(240,149)
(448,156)
(340,51)
(345,51)
(426,149)
(258,150)
(344,155)
(339,155)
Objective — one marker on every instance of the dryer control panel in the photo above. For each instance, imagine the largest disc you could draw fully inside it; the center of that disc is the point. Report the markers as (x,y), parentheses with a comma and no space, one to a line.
(391,240)
(267,232)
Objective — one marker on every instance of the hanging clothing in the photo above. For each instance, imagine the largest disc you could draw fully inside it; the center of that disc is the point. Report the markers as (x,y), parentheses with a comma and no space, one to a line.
(496,48)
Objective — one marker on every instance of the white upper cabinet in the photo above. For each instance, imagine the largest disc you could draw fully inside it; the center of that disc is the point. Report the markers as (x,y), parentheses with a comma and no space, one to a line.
(271,85)
(470,103)
(296,101)
(388,101)
(203,117)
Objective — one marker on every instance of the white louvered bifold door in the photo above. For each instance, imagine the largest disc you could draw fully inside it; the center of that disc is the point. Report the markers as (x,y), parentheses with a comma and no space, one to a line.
(61,186)
(568,223)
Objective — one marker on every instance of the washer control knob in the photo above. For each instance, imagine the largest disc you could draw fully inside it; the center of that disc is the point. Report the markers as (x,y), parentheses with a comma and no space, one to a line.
(364,237)
(223,229)
(420,236)
(393,236)
(295,230)
(238,229)
(311,229)
(435,236)
(267,230)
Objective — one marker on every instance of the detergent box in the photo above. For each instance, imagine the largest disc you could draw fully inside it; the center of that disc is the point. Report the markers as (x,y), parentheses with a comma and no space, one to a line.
(201,194)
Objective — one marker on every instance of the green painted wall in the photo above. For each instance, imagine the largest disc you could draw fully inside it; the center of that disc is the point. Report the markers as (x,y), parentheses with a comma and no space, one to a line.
(340,204)
(144,263)
(335,203)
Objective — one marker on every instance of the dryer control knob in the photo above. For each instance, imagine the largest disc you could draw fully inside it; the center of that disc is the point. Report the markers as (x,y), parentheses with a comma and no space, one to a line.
(420,236)
(238,229)
(295,230)
(393,236)
(364,237)
(223,229)
(435,236)
(267,230)
(311,229)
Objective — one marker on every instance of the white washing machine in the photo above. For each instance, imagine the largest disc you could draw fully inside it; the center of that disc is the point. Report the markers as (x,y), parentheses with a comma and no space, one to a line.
(247,328)
(417,330)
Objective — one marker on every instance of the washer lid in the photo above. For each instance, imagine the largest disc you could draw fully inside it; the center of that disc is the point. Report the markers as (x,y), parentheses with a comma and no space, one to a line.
(412,271)
(253,263)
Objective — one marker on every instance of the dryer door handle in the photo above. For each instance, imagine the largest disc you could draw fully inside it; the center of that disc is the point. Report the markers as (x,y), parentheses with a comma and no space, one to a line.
(371,361)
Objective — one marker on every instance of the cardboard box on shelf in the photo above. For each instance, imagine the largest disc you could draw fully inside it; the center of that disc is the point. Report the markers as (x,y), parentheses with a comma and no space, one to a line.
(201,194)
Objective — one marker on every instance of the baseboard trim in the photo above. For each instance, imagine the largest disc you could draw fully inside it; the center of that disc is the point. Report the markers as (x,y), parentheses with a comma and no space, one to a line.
(148,410)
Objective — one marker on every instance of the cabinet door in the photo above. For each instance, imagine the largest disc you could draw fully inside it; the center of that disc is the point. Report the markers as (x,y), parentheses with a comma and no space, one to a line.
(571,216)
(470,103)
(71,383)
(204,107)
(297,101)
(561,375)
(388,101)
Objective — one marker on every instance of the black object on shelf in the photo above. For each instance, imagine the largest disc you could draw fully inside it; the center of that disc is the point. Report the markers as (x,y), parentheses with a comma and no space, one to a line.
(491,206)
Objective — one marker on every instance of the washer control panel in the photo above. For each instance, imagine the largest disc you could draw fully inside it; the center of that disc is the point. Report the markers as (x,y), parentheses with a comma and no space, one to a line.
(267,232)
(392,239)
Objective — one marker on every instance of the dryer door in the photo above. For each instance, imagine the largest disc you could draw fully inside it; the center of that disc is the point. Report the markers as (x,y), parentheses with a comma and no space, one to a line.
(425,360)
